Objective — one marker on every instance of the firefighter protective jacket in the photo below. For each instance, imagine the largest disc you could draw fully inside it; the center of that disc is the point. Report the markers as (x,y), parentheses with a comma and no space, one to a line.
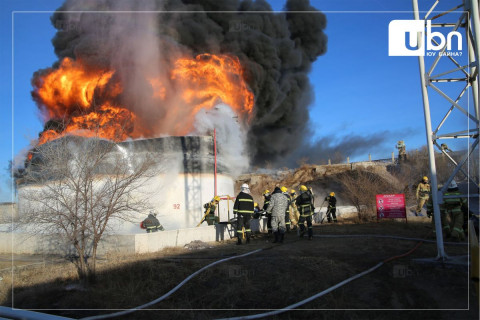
(266,201)
(278,204)
(332,201)
(304,203)
(243,204)
(423,190)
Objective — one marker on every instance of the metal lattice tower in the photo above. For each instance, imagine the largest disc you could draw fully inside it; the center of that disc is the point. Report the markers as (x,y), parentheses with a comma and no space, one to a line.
(448,70)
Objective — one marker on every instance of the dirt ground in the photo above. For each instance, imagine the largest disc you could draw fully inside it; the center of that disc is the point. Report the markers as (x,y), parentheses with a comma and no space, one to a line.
(277,276)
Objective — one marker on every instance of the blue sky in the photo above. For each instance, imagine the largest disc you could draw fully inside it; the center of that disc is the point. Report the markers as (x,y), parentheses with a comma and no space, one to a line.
(359,89)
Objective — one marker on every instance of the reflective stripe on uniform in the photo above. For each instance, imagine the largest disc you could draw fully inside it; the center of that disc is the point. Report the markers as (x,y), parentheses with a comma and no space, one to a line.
(246,200)
(458,230)
(248,230)
(245,211)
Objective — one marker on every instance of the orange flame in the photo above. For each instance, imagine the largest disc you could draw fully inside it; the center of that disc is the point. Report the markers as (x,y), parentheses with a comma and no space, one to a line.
(71,86)
(87,99)
(209,78)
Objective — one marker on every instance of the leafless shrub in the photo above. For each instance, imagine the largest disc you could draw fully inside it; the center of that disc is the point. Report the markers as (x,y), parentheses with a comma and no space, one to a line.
(360,188)
(75,186)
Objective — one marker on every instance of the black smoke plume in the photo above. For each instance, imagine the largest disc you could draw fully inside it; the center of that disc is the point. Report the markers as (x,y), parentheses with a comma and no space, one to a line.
(276,49)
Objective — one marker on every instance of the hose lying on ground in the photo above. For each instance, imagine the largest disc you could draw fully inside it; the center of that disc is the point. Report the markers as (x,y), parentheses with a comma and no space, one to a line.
(324,292)
(388,237)
(166,295)
(293,306)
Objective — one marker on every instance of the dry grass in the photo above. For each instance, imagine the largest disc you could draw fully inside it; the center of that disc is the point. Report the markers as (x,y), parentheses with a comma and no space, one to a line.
(274,278)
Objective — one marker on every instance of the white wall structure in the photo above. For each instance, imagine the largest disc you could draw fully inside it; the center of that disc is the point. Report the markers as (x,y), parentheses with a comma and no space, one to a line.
(24,243)
(185,181)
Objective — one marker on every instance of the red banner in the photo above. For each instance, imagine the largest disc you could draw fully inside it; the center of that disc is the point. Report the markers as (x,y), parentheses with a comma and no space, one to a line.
(391,206)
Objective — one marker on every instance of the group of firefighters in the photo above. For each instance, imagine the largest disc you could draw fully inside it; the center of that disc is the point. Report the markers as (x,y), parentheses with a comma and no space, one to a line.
(453,210)
(284,211)
(287,211)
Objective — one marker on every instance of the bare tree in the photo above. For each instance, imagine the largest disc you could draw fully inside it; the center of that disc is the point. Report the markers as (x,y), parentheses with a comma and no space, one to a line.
(360,188)
(74,187)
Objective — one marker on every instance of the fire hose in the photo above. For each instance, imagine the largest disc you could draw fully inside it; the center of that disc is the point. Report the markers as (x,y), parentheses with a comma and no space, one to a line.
(293,306)
(34,315)
(166,295)
(324,292)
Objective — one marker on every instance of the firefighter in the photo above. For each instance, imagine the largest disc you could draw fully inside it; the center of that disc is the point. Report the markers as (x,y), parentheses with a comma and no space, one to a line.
(304,204)
(293,210)
(276,208)
(256,211)
(151,223)
(332,207)
(443,218)
(454,207)
(402,153)
(210,208)
(266,201)
(287,211)
(423,193)
(244,209)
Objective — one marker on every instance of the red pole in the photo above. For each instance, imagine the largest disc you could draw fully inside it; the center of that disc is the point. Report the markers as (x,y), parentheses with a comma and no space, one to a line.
(215,152)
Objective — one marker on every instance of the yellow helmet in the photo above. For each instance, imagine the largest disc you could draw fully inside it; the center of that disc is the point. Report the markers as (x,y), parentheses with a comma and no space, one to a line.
(216,198)
(255,204)
(292,191)
(425,178)
(266,191)
(332,194)
(284,189)
(303,188)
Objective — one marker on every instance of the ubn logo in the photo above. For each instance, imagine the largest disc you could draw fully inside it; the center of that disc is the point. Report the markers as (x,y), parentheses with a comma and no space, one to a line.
(407,38)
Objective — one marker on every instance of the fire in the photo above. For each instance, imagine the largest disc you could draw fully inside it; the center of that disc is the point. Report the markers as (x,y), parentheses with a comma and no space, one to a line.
(69,87)
(209,78)
(87,101)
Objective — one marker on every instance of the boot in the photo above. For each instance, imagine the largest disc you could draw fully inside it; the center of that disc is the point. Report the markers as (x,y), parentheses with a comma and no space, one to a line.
(302,233)
(248,240)
(239,241)
(282,235)
(276,237)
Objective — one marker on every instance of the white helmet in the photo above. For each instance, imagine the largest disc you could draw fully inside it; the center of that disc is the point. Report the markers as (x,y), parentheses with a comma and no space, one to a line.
(452,185)
(245,187)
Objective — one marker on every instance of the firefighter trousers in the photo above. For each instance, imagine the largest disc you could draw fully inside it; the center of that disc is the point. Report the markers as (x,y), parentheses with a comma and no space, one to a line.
(243,221)
(332,213)
(287,221)
(301,223)
(278,224)
(457,220)
(445,225)
(269,223)
(421,203)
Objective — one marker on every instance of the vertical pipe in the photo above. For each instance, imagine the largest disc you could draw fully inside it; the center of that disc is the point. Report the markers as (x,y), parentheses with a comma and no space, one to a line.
(215,152)
(431,154)
(475,21)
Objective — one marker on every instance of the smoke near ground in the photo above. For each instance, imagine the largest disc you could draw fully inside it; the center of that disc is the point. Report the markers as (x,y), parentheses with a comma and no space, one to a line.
(276,50)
